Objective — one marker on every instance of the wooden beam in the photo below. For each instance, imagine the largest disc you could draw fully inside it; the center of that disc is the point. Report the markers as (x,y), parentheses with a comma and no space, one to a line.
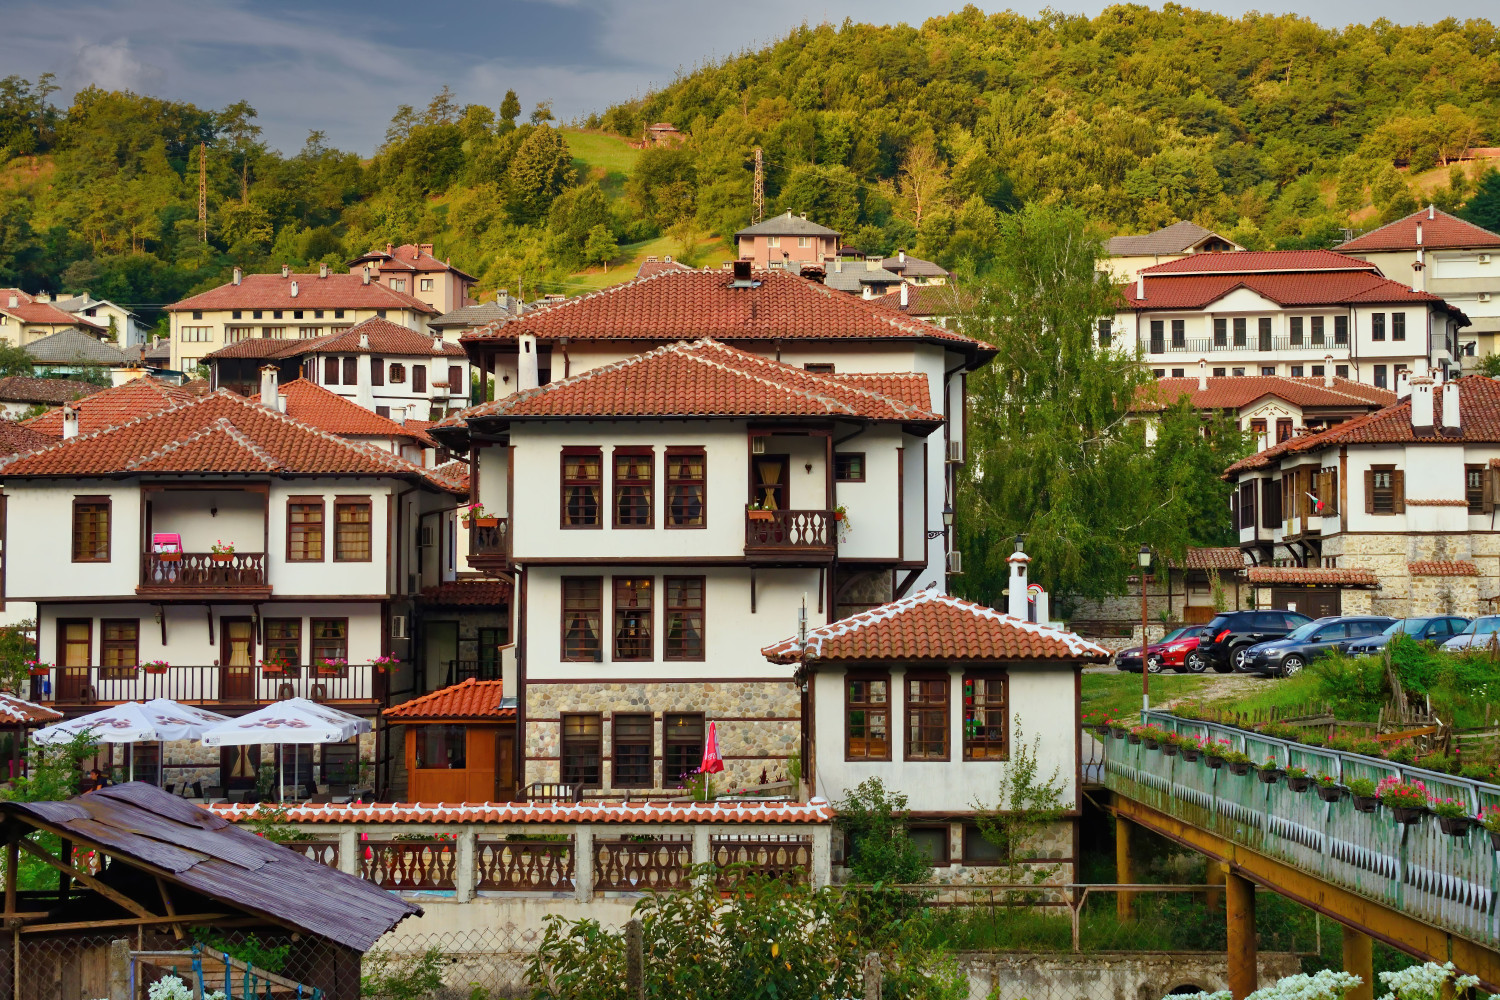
(83,925)
(12,856)
(108,892)
(166,902)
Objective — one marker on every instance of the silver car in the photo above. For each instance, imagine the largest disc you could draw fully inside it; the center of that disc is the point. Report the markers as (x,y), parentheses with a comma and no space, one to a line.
(1480,633)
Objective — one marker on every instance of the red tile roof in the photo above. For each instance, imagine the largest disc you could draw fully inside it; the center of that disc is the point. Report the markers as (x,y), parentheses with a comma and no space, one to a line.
(1442,567)
(1237,391)
(817,811)
(14,710)
(31,311)
(1312,575)
(1259,262)
(1309,288)
(469,699)
(909,387)
(272,291)
(16,437)
(701,379)
(408,257)
(454,473)
(115,405)
(933,626)
(1225,557)
(469,593)
(687,305)
(926,300)
(32,389)
(1440,231)
(372,336)
(650,267)
(328,411)
(219,433)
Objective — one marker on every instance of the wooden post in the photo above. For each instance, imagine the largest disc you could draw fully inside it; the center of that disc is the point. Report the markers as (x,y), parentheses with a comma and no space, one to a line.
(1124,901)
(873,975)
(119,970)
(12,858)
(635,960)
(1358,959)
(1214,898)
(1239,895)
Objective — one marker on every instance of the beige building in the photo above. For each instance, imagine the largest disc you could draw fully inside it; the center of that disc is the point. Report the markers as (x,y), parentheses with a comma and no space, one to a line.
(1127,256)
(787,241)
(411,269)
(25,318)
(286,306)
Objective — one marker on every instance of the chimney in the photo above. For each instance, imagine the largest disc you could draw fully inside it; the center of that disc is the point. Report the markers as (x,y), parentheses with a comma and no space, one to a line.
(1449,413)
(838,265)
(364,340)
(322,270)
(425,248)
(294,289)
(1328,371)
(238,274)
(398,414)
(119,376)
(1202,374)
(1017,602)
(526,362)
(388,248)
(15,300)
(367,274)
(867,292)
(1419,232)
(901,256)
(1419,269)
(502,298)
(1140,287)
(70,421)
(1421,402)
(1431,211)
(268,389)
(905,295)
(281,402)
(43,296)
(286,270)
(437,345)
(364,395)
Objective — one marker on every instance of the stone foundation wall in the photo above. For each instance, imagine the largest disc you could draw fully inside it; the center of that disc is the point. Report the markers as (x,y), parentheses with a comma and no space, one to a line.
(758,725)
(1108,975)
(1402,594)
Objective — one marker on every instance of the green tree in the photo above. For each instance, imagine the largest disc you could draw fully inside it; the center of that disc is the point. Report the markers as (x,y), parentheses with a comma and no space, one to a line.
(1483,207)
(53,770)
(539,171)
(602,246)
(510,110)
(14,360)
(873,820)
(1188,457)
(542,113)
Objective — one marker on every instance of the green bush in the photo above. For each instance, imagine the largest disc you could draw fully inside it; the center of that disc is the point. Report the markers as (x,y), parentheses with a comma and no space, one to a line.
(874,824)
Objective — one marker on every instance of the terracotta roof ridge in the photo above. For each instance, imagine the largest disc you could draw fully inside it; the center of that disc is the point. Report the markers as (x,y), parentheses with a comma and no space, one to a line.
(827,402)
(832,381)
(141,418)
(221,425)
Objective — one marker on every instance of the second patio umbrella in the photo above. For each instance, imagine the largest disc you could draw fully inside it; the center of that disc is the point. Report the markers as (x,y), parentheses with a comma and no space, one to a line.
(295,720)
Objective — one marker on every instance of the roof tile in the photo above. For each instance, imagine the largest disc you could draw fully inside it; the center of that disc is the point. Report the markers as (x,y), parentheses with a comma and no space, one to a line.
(371,336)
(1308,288)
(272,291)
(328,411)
(1223,557)
(28,310)
(469,593)
(1440,231)
(33,389)
(1260,262)
(1235,391)
(1312,575)
(817,811)
(1442,567)
(468,699)
(115,405)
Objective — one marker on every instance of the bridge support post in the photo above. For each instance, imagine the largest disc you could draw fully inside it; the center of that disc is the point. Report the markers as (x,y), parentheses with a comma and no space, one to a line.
(1359,959)
(1124,901)
(1213,899)
(1239,898)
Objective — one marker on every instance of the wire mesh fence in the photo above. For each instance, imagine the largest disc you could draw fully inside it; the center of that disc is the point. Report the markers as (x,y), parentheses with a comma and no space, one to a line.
(489,964)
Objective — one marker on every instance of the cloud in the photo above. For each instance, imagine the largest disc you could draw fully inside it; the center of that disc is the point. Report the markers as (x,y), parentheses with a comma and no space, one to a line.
(112,66)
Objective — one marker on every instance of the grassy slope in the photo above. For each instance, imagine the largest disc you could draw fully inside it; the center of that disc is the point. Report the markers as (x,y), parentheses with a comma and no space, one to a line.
(607,159)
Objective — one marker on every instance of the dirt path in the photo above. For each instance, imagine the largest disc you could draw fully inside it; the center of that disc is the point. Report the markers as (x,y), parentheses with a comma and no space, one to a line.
(1222,687)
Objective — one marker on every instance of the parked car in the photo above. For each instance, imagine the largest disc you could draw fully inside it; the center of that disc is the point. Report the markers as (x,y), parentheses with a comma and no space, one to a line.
(1172,650)
(1436,628)
(1477,634)
(1233,632)
(1285,657)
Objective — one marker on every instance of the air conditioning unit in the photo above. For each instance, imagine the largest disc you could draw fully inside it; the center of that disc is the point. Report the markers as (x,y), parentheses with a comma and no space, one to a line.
(424,536)
(955,562)
(1484,258)
(956,451)
(398,627)
(757,446)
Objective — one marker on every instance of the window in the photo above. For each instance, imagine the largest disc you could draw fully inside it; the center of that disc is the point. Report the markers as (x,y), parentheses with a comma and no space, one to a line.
(398,284)
(197,313)
(1283,429)
(932,841)
(581,617)
(634,475)
(633,741)
(583,482)
(926,718)
(1380,377)
(1341,330)
(633,618)
(1476,483)
(119,648)
(317,314)
(338,314)
(275,314)
(255,314)
(196,334)
(1263,329)
(330,639)
(1385,490)
(687,487)
(867,717)
(1179,372)
(773,241)
(819,367)
(1294,330)
(1340,371)
(398,374)
(377,371)
(1270,503)
(1158,336)
(309,332)
(426,284)
(1258,428)
(1106,331)
(284,641)
(238,314)
(804,241)
(273,332)
(1319,371)
(849,466)
(979,850)
(1398,326)
(91,529)
(1297,371)
(682,746)
(1219,372)
(440,747)
(351,371)
(1377,326)
(330,371)
(418,378)
(1236,372)
(1239,332)
(383,411)
(1317,331)
(1159,372)
(1221,333)
(1268,369)
(1179,334)
(304,529)
(351,530)
(582,750)
(296,314)
(985,733)
(188,364)
(235,334)
(1247,505)
(75,642)
(683,624)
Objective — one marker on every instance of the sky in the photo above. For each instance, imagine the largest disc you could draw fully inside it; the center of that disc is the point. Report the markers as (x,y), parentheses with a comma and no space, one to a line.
(343,68)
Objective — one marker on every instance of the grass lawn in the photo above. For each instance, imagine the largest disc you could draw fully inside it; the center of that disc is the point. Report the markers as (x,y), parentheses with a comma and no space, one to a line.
(1120,693)
(607,159)
(710,253)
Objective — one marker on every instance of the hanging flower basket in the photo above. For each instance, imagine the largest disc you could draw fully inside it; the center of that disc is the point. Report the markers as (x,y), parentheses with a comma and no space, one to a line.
(1213,762)
(169,557)
(1407,815)
(1455,826)
(1495,839)
(1118,732)
(1331,793)
(156,667)
(1365,803)
(1191,754)
(1270,775)
(1169,749)
(1301,784)
(1239,767)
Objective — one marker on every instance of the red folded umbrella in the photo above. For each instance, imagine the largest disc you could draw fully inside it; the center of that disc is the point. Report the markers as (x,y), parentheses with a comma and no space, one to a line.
(712,762)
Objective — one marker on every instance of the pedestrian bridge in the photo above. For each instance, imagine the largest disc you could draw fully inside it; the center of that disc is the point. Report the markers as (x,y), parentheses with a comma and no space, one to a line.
(1413,886)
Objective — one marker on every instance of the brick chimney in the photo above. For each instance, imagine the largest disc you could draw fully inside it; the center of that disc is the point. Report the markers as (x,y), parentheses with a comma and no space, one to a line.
(1016,603)
(389,247)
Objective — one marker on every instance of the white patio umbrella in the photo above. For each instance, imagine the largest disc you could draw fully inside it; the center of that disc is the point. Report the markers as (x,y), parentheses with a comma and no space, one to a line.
(157,721)
(295,720)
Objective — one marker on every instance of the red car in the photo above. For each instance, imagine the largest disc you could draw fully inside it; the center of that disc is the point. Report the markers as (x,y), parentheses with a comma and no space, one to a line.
(1178,650)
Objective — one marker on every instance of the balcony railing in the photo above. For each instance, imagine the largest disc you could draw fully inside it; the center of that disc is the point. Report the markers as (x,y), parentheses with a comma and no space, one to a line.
(489,543)
(462,670)
(1448,881)
(209,685)
(788,532)
(1253,344)
(203,571)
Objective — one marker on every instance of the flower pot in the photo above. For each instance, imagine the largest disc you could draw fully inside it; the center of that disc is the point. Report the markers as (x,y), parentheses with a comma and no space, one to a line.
(1455,826)
(1170,749)
(1133,739)
(39,671)
(1101,731)
(156,670)
(1331,793)
(169,556)
(330,671)
(1495,839)
(1237,767)
(759,515)
(1214,763)
(1301,784)
(468,522)
(1191,754)
(1270,775)
(838,515)
(1153,744)
(1365,803)
(486,522)
(221,556)
(1407,815)
(1118,732)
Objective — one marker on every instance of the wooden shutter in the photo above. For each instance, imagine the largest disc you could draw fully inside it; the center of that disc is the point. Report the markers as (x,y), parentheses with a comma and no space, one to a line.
(1369,491)
(1331,499)
(1398,491)
(1489,490)
(377,371)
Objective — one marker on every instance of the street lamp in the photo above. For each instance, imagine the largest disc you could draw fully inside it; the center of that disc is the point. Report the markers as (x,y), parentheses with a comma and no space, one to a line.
(1143,558)
(947,523)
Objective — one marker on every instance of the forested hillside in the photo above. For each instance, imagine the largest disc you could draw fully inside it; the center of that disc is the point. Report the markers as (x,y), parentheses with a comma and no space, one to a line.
(1271,128)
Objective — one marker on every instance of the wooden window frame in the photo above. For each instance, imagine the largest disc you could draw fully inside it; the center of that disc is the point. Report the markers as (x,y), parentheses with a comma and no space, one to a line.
(971,834)
(341,503)
(279,643)
(1179,334)
(597,656)
(119,671)
(908,706)
(946,860)
(670,612)
(635,741)
(1398,326)
(1157,333)
(617,484)
(1482,501)
(667,743)
(565,742)
(351,371)
(864,676)
(566,483)
(330,371)
(377,371)
(1221,332)
(1241,329)
(108,531)
(674,483)
(418,378)
(453,735)
(293,527)
(455,378)
(1377,326)
(62,642)
(314,657)
(397,373)
(1318,333)
(1294,331)
(841,457)
(971,744)
(639,585)
(1397,490)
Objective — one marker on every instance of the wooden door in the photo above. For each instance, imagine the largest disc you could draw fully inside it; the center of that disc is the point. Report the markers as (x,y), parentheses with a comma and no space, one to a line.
(505,764)
(237,660)
(238,766)
(769,474)
(75,651)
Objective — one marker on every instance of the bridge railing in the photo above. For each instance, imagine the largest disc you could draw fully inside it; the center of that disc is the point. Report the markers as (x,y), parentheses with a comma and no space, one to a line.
(1452,882)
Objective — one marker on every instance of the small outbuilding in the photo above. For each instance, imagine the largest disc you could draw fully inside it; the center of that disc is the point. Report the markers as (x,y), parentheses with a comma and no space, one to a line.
(460,743)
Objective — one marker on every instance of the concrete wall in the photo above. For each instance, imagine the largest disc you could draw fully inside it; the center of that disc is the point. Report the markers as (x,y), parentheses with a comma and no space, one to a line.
(1106,975)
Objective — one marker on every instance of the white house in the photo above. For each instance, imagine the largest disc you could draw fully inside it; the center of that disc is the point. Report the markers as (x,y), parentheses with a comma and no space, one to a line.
(25,317)
(1272,407)
(934,695)
(1127,256)
(127,327)
(1282,312)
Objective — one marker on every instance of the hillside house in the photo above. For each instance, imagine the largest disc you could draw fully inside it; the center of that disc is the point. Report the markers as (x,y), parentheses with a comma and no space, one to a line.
(865,278)
(20,393)
(411,269)
(455,323)
(1272,407)
(73,352)
(787,242)
(128,330)
(24,318)
(915,270)
(1127,256)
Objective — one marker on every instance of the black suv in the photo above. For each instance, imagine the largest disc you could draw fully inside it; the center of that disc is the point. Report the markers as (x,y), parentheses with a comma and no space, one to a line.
(1233,632)
(1287,656)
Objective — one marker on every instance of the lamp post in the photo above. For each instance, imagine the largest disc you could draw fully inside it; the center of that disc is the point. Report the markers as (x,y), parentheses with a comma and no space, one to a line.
(947,523)
(1143,558)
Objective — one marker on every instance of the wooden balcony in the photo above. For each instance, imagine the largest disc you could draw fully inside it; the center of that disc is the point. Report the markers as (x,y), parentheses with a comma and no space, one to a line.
(213,687)
(489,543)
(192,573)
(789,534)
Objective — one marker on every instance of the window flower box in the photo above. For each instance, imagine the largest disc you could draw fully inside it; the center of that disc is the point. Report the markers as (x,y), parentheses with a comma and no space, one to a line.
(156,667)
(169,556)
(755,514)
(36,669)
(1329,789)
(221,551)
(331,668)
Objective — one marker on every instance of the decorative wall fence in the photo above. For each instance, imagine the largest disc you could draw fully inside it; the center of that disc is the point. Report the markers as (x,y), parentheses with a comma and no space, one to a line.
(1448,880)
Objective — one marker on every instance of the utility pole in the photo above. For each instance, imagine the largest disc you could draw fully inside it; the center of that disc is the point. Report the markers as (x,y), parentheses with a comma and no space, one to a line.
(203,192)
(758,211)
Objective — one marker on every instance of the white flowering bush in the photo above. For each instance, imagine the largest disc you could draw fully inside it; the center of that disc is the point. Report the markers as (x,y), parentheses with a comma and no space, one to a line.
(1325,985)
(173,988)
(1425,982)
